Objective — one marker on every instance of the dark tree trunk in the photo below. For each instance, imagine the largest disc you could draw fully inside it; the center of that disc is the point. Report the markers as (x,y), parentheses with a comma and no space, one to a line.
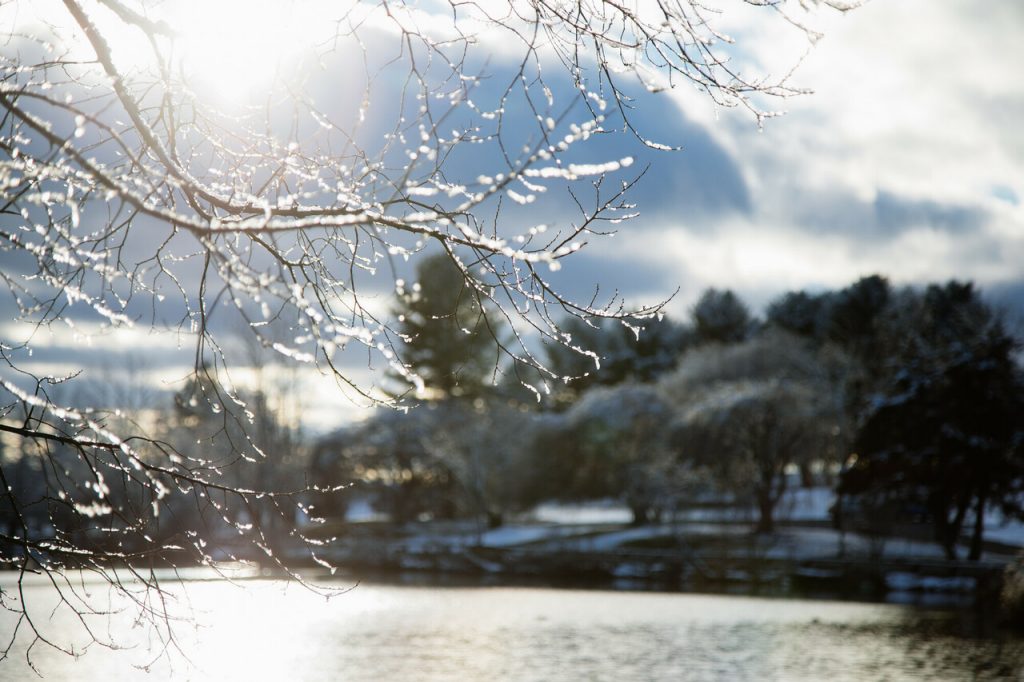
(641,515)
(948,545)
(495,519)
(948,531)
(772,488)
(977,537)
(766,513)
(806,476)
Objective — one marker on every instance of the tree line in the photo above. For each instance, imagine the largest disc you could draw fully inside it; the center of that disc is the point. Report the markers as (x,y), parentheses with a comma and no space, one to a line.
(903,398)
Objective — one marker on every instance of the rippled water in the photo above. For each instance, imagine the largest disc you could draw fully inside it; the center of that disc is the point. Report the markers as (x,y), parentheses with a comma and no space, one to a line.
(270,630)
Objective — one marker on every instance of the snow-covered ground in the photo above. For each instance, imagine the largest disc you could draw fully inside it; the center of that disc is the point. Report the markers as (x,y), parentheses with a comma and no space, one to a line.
(806,504)
(604,511)
(793,543)
(1000,529)
(806,543)
(798,504)
(360,510)
(603,526)
(510,536)
(790,542)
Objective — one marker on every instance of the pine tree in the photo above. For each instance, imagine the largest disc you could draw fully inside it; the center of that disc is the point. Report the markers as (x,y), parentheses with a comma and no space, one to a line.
(451,335)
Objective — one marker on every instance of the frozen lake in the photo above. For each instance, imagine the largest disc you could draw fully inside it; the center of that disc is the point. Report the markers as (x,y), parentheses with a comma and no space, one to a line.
(269,630)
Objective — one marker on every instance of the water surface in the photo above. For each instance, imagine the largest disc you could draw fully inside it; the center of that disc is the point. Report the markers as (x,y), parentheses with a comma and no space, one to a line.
(273,630)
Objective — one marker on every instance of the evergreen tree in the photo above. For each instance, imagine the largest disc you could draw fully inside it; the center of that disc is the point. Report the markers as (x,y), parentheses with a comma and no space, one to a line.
(857,314)
(720,316)
(945,434)
(451,336)
(641,352)
(800,313)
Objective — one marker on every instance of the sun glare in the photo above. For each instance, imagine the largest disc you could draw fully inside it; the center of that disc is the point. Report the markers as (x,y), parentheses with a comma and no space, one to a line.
(230,49)
(238,46)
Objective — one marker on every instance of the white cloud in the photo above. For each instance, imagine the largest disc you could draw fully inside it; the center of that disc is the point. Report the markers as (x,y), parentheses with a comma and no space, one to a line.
(916,106)
(905,99)
(760,261)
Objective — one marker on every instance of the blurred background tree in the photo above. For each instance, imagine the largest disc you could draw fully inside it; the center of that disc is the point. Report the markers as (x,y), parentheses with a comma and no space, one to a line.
(451,335)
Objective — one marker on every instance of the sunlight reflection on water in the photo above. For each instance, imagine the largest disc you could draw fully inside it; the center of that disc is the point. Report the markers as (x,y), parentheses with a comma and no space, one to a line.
(272,630)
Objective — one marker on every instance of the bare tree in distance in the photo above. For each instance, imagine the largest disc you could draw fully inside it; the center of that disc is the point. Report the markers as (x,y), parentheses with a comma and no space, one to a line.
(751,409)
(142,189)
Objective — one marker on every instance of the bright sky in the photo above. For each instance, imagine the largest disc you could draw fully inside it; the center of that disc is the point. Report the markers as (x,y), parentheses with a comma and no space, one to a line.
(907,160)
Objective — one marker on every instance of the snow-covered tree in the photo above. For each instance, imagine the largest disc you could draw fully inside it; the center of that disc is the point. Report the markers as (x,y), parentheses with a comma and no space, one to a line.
(615,442)
(486,445)
(391,457)
(171,167)
(445,458)
(750,410)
